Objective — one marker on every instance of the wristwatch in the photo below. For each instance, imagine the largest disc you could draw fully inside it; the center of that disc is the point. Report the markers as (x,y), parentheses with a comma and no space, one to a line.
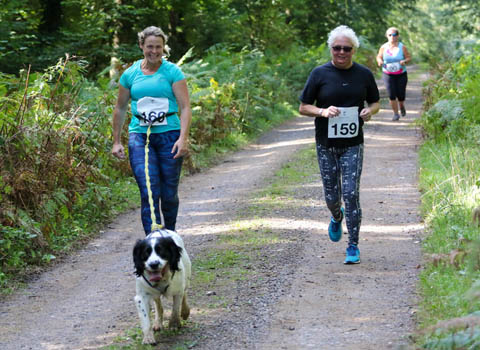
(320,112)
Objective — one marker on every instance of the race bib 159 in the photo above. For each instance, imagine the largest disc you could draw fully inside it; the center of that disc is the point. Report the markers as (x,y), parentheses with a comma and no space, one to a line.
(346,125)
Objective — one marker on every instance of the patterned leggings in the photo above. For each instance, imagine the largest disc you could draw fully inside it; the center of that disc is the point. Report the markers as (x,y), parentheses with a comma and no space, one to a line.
(341,169)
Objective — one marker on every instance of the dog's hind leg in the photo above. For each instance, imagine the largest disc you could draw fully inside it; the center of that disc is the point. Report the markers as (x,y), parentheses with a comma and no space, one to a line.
(175,318)
(143,307)
(185,308)
(158,322)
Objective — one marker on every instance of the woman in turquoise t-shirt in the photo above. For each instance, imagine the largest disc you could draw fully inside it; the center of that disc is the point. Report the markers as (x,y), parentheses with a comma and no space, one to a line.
(393,57)
(157,90)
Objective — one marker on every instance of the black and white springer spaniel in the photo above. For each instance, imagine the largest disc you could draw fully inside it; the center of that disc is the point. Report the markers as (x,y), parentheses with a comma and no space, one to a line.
(163,268)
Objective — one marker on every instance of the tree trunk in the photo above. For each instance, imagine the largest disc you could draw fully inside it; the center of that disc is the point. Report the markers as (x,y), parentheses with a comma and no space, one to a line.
(114,61)
(52,16)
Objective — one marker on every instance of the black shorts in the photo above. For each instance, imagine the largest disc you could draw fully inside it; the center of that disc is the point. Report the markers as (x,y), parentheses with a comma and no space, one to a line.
(396,85)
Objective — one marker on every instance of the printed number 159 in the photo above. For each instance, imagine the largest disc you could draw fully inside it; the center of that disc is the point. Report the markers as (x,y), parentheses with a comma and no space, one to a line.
(345,129)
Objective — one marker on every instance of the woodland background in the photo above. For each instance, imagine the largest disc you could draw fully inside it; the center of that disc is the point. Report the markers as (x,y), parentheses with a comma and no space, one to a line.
(246,62)
(40,32)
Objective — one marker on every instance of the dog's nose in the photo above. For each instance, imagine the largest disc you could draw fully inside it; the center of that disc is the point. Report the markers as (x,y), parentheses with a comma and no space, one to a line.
(154,265)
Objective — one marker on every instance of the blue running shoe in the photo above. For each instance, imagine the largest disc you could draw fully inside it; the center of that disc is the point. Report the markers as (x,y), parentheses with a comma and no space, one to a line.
(335,228)
(353,255)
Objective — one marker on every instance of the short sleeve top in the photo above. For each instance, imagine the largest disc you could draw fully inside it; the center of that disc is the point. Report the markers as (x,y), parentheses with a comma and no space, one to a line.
(392,58)
(157,85)
(328,86)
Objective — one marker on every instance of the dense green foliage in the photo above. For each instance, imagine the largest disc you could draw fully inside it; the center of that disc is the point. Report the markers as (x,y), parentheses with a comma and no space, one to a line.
(55,174)
(450,182)
(38,32)
(439,31)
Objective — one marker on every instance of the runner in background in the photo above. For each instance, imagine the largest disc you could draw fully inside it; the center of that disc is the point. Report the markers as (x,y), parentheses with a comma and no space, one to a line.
(335,95)
(157,89)
(393,57)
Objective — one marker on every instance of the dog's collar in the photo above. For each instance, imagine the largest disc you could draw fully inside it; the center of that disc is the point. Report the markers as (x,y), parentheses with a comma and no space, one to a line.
(161,231)
(151,285)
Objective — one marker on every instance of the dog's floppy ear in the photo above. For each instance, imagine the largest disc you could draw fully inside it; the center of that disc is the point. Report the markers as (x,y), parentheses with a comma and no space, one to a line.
(137,257)
(175,255)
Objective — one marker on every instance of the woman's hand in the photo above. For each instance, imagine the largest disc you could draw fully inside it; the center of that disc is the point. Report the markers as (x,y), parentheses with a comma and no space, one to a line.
(180,148)
(314,111)
(118,120)
(380,57)
(331,112)
(366,114)
(118,151)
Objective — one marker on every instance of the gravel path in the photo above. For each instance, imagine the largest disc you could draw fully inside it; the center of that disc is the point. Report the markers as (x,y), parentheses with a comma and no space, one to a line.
(305,299)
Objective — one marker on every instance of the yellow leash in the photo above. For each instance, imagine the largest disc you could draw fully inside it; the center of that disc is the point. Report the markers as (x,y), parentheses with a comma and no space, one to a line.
(155,226)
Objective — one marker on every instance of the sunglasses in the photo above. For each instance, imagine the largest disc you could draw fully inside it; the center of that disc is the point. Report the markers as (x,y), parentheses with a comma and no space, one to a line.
(393,34)
(344,48)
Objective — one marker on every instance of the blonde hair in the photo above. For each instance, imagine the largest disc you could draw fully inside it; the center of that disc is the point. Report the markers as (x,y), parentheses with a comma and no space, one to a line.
(391,28)
(155,31)
(343,31)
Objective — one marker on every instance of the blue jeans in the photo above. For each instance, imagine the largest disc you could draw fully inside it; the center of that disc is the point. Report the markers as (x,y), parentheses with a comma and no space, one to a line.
(164,174)
(341,169)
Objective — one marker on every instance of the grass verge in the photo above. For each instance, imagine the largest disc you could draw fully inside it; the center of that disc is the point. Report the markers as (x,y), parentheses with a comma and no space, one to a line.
(449,283)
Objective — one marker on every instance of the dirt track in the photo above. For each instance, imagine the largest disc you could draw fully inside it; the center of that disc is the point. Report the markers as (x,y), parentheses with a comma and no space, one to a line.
(317,304)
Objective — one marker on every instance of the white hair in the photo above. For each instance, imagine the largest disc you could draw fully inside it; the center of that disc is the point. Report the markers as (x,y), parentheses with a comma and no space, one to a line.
(343,31)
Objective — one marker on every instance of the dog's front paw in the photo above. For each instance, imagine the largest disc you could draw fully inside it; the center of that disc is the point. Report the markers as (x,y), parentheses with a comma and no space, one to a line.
(157,326)
(149,338)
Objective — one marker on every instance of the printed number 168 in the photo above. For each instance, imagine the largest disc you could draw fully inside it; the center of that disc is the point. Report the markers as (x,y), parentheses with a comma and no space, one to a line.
(154,117)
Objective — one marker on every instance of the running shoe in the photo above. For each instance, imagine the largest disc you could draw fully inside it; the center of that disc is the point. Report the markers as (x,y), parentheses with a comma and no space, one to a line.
(396,116)
(335,228)
(353,255)
(403,112)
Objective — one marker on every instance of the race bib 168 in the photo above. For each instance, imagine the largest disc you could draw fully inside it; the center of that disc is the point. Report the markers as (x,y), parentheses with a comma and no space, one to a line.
(152,109)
